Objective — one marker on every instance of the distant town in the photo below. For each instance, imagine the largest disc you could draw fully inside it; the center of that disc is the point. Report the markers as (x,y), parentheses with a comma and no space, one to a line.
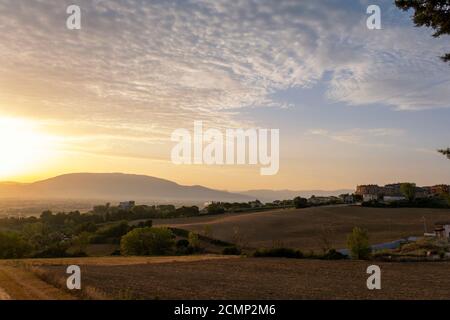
(393,192)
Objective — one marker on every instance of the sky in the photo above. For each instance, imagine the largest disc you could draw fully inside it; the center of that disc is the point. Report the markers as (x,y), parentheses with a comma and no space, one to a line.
(353,105)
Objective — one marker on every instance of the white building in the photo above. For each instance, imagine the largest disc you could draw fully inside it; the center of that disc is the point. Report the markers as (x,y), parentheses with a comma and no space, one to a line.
(442,230)
(370,197)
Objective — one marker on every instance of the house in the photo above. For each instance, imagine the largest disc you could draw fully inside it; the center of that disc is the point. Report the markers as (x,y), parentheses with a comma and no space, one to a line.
(347,198)
(127,205)
(442,230)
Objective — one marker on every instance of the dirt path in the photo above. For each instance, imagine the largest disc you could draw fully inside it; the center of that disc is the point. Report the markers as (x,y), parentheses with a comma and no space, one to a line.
(19,284)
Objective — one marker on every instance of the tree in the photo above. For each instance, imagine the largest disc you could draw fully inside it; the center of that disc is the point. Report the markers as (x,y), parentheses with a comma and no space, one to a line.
(194,241)
(81,242)
(147,242)
(430,13)
(358,244)
(445,152)
(12,246)
(408,190)
(300,202)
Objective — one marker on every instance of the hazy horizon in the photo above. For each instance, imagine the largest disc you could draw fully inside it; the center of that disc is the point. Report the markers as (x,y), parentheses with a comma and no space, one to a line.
(353,106)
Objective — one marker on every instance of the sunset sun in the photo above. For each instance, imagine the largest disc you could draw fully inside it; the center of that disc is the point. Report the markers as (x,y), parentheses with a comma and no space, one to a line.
(22,147)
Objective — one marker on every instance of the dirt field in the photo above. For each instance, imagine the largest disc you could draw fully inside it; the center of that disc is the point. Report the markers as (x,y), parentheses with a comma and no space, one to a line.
(300,227)
(19,279)
(252,278)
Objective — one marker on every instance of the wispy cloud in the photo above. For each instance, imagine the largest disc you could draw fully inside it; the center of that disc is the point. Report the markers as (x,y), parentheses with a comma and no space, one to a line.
(358,136)
(146,67)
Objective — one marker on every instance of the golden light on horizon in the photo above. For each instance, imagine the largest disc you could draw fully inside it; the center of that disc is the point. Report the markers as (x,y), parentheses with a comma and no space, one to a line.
(22,147)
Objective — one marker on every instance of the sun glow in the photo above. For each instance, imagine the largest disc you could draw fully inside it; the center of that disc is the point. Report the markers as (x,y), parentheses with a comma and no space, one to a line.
(22,147)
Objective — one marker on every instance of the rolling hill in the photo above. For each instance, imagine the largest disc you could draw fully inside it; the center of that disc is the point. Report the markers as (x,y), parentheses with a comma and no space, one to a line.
(114,186)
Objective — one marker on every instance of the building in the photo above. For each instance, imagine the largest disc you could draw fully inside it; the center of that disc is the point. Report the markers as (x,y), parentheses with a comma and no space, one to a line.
(371,189)
(439,189)
(393,198)
(127,205)
(392,192)
(347,198)
(442,230)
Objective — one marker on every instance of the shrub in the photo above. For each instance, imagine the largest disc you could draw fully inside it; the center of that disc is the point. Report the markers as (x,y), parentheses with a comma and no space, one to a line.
(358,244)
(183,243)
(332,254)
(194,241)
(147,241)
(300,202)
(231,251)
(279,253)
(147,223)
(111,233)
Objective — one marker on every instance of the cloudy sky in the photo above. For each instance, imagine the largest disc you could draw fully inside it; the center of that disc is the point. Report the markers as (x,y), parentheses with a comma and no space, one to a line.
(353,105)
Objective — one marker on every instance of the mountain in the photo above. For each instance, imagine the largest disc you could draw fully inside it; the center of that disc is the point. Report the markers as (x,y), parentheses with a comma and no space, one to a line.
(114,186)
(272,195)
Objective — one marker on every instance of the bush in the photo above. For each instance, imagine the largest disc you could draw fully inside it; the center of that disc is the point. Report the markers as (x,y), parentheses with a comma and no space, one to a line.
(183,243)
(358,244)
(147,242)
(300,202)
(332,254)
(234,251)
(111,233)
(143,224)
(194,241)
(279,253)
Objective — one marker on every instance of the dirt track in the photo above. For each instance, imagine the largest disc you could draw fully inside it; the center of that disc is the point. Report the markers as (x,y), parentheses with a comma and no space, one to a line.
(19,284)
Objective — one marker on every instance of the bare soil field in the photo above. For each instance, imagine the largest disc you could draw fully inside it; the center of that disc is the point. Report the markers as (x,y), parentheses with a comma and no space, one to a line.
(27,280)
(300,228)
(264,278)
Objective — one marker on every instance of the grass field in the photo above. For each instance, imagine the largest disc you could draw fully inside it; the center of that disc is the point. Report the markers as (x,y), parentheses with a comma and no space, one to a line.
(301,228)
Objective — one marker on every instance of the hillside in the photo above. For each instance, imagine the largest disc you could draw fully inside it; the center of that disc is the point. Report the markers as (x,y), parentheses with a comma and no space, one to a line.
(114,186)
(305,228)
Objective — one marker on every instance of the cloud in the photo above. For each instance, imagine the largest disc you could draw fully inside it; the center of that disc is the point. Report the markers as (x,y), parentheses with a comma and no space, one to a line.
(365,137)
(147,67)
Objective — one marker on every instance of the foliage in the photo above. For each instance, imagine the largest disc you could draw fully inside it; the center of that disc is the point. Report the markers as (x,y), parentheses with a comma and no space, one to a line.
(147,242)
(408,190)
(358,244)
(279,253)
(12,246)
(194,241)
(445,152)
(332,254)
(300,202)
(430,13)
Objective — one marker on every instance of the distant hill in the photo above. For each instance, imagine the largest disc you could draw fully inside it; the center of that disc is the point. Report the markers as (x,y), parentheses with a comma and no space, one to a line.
(272,195)
(114,186)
